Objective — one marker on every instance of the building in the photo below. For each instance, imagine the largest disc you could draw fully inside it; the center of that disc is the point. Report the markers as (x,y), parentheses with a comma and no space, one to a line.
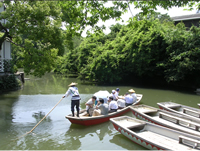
(188,20)
(5,52)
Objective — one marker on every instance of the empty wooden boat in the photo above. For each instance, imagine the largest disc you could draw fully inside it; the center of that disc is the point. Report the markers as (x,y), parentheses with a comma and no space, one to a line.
(181,109)
(86,120)
(153,136)
(166,119)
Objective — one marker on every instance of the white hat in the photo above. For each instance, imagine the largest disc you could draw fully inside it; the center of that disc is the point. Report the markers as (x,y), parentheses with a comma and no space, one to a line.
(131,90)
(72,84)
(113,91)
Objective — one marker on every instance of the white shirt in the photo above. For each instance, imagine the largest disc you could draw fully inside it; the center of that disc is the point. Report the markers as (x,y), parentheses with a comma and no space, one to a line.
(134,97)
(73,91)
(129,99)
(113,105)
(121,103)
(114,96)
(91,104)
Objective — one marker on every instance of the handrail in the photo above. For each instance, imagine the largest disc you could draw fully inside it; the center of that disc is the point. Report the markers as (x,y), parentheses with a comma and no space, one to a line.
(178,120)
(186,110)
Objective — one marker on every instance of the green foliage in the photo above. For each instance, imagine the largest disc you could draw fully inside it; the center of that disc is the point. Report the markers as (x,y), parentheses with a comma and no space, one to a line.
(183,53)
(146,48)
(36,28)
(151,6)
(9,82)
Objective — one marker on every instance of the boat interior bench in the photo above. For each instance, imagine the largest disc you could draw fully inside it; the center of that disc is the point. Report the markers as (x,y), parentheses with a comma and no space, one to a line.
(173,105)
(144,109)
(187,111)
(177,120)
(189,141)
(137,127)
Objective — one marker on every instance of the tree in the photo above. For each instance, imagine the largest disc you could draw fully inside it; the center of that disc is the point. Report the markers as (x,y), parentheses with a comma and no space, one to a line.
(151,5)
(153,15)
(40,22)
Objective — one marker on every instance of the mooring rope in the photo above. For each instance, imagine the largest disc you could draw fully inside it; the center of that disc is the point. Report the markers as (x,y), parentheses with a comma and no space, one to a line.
(39,121)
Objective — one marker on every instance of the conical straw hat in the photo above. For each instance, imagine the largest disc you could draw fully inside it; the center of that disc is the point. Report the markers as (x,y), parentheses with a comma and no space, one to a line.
(73,84)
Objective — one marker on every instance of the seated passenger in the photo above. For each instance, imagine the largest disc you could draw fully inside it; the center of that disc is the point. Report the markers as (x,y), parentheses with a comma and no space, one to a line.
(121,103)
(90,104)
(133,94)
(128,99)
(101,108)
(113,95)
(117,94)
(112,105)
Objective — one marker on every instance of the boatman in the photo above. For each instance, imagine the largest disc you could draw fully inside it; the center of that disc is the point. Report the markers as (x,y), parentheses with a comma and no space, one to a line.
(75,100)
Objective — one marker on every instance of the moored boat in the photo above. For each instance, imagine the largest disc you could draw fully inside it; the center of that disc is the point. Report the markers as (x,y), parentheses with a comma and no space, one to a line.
(153,136)
(166,119)
(86,120)
(181,109)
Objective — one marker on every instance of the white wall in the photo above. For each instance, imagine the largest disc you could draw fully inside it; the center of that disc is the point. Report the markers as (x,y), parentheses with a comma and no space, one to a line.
(5,52)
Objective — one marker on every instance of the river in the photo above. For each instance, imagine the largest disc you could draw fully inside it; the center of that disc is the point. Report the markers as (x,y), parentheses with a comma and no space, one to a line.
(21,110)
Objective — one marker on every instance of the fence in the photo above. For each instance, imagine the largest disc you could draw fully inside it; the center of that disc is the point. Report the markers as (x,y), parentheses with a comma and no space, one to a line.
(5,65)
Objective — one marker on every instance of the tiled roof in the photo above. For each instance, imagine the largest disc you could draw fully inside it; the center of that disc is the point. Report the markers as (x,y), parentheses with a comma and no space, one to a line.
(186,17)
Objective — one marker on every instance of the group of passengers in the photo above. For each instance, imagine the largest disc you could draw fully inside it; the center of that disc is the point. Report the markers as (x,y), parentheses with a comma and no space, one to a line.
(114,103)
(101,108)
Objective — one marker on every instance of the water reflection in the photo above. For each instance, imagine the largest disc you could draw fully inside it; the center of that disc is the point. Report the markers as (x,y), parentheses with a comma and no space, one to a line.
(100,130)
(127,144)
(6,116)
(21,110)
(83,136)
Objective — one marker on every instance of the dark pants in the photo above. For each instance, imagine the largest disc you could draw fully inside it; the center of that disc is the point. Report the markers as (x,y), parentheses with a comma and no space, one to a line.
(112,110)
(75,103)
(128,104)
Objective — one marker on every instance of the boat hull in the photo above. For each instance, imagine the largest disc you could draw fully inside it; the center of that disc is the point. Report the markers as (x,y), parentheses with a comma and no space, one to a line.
(137,140)
(87,121)
(144,118)
(173,120)
(154,137)
(95,120)
(187,111)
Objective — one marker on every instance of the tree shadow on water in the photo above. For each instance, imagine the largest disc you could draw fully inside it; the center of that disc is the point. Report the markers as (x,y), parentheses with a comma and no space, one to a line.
(39,115)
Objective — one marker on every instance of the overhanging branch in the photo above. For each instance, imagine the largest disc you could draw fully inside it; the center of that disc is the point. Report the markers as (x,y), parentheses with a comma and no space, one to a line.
(8,39)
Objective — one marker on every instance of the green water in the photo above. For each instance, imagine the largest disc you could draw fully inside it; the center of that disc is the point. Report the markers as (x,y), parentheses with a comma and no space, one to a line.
(21,110)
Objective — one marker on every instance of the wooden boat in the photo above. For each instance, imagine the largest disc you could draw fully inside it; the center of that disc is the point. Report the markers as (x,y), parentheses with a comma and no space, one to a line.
(153,136)
(166,119)
(187,111)
(86,120)
(198,105)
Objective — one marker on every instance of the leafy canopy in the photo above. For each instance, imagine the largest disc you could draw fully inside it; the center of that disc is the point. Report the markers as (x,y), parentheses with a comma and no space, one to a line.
(35,27)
